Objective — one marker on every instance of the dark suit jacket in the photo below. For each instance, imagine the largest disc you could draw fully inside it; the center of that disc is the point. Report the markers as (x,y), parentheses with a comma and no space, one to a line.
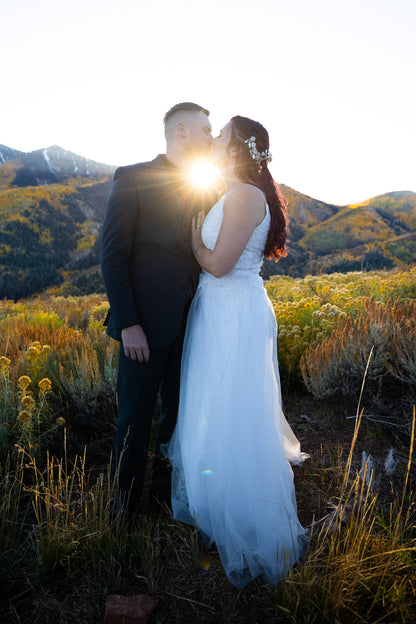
(149,270)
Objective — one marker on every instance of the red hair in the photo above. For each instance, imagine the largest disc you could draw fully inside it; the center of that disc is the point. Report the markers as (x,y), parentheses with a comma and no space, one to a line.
(250,172)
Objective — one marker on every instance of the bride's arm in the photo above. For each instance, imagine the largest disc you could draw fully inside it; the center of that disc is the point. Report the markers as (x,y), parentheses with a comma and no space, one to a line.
(244,209)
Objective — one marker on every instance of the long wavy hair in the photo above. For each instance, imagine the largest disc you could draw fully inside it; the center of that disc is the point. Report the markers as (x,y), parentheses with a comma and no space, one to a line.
(247,170)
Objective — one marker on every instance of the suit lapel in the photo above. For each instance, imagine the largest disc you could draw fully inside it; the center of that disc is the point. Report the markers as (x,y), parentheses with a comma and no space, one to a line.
(166,189)
(180,206)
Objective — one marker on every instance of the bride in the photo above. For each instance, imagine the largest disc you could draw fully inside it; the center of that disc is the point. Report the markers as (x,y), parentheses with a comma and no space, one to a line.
(232,445)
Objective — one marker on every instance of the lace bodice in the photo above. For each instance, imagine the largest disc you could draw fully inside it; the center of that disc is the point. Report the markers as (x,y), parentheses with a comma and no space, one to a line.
(251,259)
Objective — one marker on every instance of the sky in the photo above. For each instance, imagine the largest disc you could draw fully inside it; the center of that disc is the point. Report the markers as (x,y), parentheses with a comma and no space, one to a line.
(333,81)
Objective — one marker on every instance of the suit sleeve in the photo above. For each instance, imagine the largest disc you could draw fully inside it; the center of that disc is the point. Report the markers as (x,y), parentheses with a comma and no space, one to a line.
(117,239)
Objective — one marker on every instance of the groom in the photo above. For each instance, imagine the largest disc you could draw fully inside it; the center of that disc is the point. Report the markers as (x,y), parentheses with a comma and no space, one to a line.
(150,276)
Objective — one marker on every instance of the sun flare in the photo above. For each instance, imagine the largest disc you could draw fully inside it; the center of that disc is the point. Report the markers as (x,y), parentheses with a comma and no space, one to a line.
(204,174)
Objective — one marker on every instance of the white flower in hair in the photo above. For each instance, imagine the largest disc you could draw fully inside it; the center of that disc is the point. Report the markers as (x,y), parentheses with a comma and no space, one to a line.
(259,157)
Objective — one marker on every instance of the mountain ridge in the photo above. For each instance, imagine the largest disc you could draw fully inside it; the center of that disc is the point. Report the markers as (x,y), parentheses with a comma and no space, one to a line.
(53,164)
(52,204)
(8,153)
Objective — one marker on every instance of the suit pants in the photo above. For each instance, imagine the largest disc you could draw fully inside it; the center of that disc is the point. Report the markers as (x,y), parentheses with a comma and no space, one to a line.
(138,385)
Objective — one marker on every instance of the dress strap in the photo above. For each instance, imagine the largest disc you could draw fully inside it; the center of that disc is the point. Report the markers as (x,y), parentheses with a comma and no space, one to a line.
(258,190)
(264,199)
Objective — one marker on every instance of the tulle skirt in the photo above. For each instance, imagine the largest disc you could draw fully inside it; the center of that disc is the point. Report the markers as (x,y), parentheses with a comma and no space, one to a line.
(232,445)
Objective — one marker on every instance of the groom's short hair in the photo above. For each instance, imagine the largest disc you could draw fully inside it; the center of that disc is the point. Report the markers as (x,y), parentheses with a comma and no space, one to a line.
(185,106)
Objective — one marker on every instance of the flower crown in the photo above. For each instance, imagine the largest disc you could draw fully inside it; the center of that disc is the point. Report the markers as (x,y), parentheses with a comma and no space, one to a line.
(259,157)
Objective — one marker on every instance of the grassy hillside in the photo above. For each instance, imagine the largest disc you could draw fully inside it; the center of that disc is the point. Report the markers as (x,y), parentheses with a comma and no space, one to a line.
(378,233)
(354,225)
(50,233)
(304,212)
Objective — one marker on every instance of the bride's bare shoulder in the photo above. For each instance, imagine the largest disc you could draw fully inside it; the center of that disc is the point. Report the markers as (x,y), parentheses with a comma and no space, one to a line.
(246,197)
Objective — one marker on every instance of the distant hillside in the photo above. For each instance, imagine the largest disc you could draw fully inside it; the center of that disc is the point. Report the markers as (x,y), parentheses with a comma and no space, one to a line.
(303,212)
(377,233)
(55,165)
(52,205)
(7,153)
(51,209)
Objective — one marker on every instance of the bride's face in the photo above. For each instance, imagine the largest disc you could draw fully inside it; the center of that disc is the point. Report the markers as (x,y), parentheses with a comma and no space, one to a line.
(221,152)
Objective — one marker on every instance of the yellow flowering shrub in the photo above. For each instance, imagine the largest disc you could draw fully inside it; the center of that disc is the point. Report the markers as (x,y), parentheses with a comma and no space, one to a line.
(309,309)
(56,357)
(45,385)
(28,402)
(23,382)
(25,417)
(387,331)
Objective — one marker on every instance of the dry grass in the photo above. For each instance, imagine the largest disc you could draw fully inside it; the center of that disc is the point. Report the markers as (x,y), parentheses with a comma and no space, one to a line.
(62,550)
(337,364)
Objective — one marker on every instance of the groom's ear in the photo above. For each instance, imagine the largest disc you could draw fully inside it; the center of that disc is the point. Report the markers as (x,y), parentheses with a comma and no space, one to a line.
(182,130)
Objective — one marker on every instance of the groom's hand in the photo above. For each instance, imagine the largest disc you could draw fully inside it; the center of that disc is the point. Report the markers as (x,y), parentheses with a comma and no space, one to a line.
(135,343)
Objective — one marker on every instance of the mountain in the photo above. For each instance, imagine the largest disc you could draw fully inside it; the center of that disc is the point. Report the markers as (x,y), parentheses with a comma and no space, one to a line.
(55,165)
(323,238)
(386,216)
(51,209)
(377,233)
(52,205)
(304,211)
(7,153)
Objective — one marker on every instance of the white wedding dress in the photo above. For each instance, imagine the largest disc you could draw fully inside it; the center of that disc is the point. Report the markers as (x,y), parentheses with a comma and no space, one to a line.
(232,445)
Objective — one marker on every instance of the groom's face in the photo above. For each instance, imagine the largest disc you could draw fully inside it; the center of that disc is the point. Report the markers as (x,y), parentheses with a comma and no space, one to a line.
(199,135)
